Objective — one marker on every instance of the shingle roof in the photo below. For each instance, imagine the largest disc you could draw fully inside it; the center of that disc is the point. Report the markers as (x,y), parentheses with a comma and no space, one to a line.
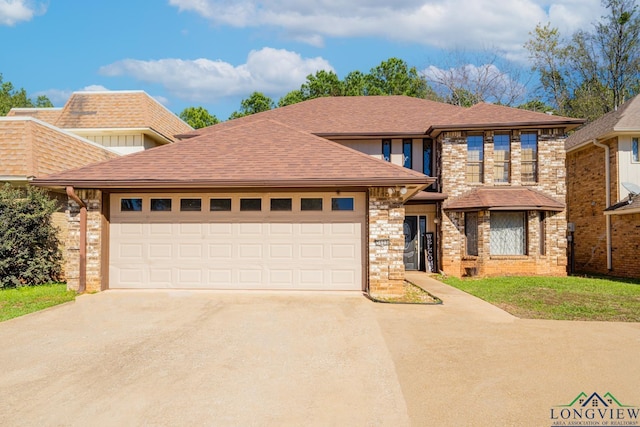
(504,198)
(119,110)
(491,115)
(48,115)
(261,153)
(625,118)
(354,115)
(628,205)
(30,147)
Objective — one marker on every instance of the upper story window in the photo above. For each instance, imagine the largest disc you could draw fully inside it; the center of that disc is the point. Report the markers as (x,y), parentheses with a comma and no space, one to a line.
(634,150)
(475,158)
(529,144)
(407,151)
(386,150)
(501,157)
(427,157)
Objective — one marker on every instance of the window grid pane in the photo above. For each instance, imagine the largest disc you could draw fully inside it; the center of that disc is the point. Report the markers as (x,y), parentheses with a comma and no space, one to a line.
(502,157)
(311,204)
(190,205)
(386,150)
(220,205)
(529,145)
(508,233)
(160,205)
(281,204)
(250,204)
(130,205)
(407,153)
(635,156)
(475,158)
(427,153)
(342,204)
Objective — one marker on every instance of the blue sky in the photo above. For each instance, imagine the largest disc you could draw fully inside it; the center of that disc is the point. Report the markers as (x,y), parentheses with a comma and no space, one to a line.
(214,53)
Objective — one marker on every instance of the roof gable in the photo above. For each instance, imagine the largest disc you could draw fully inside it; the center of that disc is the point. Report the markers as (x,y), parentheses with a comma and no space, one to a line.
(626,118)
(261,153)
(119,110)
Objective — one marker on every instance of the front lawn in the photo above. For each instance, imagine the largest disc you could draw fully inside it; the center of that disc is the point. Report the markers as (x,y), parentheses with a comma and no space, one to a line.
(18,302)
(561,298)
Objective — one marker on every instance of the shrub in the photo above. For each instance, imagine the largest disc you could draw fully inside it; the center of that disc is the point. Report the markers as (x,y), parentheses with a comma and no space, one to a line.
(29,246)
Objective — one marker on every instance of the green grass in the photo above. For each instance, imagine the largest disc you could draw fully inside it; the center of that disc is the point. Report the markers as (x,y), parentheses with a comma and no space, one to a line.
(560,298)
(21,301)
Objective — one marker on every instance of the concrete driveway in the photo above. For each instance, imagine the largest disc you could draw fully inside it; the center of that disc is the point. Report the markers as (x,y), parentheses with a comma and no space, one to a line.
(240,359)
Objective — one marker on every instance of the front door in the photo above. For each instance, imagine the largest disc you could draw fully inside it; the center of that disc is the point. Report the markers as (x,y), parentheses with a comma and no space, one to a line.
(411,245)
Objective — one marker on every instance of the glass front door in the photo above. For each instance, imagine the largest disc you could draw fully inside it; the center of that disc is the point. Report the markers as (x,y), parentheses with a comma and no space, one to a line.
(411,243)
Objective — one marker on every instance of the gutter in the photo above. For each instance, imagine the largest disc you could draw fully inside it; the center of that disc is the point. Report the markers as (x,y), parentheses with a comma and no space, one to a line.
(607,218)
(82,287)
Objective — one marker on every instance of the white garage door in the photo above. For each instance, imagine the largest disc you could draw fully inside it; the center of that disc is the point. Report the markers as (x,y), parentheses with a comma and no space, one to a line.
(249,241)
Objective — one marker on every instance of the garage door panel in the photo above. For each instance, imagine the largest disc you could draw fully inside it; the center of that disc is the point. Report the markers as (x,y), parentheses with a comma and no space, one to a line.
(260,250)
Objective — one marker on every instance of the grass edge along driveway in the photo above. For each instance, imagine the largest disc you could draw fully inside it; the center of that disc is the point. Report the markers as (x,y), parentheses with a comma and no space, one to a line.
(27,299)
(558,298)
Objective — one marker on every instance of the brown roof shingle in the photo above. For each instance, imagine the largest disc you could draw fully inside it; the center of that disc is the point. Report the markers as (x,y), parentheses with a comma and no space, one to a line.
(31,148)
(504,198)
(120,110)
(257,153)
(48,115)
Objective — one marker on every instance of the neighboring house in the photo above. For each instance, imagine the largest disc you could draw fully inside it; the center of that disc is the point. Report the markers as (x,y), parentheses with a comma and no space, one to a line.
(339,193)
(91,127)
(603,178)
(124,121)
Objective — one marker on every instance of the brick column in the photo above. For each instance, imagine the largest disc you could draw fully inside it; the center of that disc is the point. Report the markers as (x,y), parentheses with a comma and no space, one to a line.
(386,242)
(93,200)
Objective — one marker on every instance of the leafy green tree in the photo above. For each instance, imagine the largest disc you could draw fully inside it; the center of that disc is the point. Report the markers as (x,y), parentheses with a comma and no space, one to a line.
(594,71)
(10,97)
(395,77)
(322,83)
(292,97)
(537,106)
(355,84)
(256,103)
(29,247)
(198,117)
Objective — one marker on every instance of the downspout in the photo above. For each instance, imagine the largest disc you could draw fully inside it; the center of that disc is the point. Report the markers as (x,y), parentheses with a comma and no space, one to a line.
(82,286)
(607,218)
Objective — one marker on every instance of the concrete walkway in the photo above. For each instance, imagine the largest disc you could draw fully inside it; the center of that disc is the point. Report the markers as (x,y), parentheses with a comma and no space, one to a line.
(180,358)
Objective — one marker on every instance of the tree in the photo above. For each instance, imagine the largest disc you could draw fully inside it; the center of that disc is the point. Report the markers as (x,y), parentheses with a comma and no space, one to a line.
(460,82)
(29,246)
(10,97)
(594,71)
(292,97)
(355,84)
(323,83)
(395,77)
(198,117)
(537,106)
(256,103)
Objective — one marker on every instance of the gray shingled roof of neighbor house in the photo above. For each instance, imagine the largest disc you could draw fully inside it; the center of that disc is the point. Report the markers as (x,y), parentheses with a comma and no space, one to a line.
(625,119)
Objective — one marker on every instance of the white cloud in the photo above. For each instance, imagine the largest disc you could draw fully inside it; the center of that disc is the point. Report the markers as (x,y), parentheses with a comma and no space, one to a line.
(94,88)
(271,71)
(440,23)
(57,96)
(14,11)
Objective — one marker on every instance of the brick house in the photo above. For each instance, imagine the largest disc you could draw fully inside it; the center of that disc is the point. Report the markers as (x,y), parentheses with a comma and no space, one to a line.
(603,178)
(341,193)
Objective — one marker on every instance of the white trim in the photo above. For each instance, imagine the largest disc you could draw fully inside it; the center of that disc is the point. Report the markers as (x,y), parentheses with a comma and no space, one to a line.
(103,131)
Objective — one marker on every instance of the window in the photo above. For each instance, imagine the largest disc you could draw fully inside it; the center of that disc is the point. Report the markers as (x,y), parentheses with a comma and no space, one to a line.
(471,232)
(130,205)
(543,234)
(190,205)
(508,233)
(160,205)
(280,204)
(634,150)
(342,204)
(427,156)
(407,151)
(386,150)
(501,157)
(311,204)
(475,158)
(220,205)
(250,204)
(529,144)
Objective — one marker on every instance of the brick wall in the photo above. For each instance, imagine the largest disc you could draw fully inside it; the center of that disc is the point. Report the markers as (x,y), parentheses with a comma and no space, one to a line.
(93,200)
(586,203)
(551,181)
(386,242)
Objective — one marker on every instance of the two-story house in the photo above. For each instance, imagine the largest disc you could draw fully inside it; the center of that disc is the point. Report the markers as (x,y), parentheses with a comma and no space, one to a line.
(337,193)
(603,180)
